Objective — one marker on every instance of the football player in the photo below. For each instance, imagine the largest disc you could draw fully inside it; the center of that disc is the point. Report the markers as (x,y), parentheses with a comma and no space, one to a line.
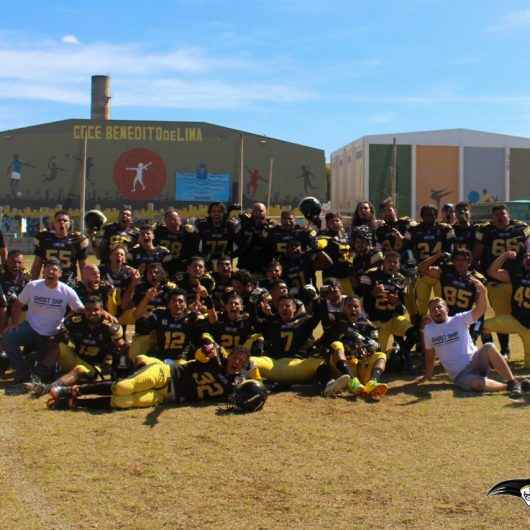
(181,239)
(222,278)
(288,232)
(123,232)
(384,294)
(194,276)
(217,233)
(465,230)
(428,238)
(146,251)
(493,239)
(365,255)
(506,270)
(354,362)
(334,242)
(167,333)
(13,278)
(70,248)
(91,284)
(157,382)
(91,343)
(394,234)
(253,241)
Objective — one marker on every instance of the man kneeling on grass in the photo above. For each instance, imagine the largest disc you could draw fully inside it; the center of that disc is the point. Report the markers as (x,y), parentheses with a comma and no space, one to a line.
(448,338)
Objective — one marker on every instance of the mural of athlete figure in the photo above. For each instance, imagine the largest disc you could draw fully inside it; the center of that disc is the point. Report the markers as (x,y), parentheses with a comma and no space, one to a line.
(306,175)
(438,195)
(53,169)
(139,177)
(254,176)
(14,172)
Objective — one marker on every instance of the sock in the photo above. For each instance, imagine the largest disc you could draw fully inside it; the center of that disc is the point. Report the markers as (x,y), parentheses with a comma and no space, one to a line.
(504,341)
(102,389)
(343,368)
(377,373)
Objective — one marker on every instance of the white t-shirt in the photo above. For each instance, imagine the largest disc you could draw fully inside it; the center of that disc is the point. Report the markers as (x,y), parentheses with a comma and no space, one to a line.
(451,342)
(47,307)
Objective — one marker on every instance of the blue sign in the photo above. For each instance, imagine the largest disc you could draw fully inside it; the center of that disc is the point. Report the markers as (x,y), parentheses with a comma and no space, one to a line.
(203,186)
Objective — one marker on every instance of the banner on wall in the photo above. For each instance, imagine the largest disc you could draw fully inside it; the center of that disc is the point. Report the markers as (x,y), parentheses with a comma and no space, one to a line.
(484,174)
(203,186)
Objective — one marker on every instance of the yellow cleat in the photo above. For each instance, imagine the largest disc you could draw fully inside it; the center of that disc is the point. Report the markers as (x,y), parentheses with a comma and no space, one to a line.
(375,390)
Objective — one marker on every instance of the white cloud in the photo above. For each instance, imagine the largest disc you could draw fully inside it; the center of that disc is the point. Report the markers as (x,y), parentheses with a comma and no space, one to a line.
(70,39)
(178,78)
(514,20)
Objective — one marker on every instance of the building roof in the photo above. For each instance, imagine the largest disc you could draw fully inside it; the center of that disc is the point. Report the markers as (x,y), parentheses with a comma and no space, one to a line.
(453,137)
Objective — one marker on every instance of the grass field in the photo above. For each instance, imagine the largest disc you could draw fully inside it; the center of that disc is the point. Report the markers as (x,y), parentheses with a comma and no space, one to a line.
(424,457)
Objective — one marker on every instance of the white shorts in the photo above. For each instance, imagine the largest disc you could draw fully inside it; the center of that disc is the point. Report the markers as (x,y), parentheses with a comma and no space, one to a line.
(15,175)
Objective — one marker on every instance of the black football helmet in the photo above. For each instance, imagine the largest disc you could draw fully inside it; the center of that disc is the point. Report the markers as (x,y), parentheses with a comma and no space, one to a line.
(94,220)
(310,208)
(249,396)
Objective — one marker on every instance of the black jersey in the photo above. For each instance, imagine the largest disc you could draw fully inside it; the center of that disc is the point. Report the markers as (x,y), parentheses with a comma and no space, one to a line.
(105,291)
(387,238)
(196,381)
(222,283)
(217,240)
(12,285)
(114,234)
(380,308)
(363,262)
(457,289)
(427,240)
(280,238)
(182,245)
(465,236)
(93,342)
(520,278)
(232,333)
(356,337)
(337,247)
(288,339)
(69,250)
(496,241)
(298,270)
(119,279)
(253,241)
(140,257)
(174,335)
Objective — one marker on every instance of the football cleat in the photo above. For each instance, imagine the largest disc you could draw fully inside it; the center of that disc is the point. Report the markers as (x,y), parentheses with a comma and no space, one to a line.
(337,386)
(525,384)
(355,387)
(375,390)
(515,390)
(37,388)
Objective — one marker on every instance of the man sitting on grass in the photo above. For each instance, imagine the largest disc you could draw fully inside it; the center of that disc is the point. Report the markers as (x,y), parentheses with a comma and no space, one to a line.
(449,339)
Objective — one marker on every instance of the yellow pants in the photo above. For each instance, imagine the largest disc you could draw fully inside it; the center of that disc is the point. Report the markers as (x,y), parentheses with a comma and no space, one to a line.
(425,285)
(500,297)
(410,299)
(362,369)
(396,327)
(68,360)
(508,324)
(147,387)
(287,369)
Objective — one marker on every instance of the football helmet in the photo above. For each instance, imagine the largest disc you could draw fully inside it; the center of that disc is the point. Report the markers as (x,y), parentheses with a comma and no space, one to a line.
(94,220)
(249,396)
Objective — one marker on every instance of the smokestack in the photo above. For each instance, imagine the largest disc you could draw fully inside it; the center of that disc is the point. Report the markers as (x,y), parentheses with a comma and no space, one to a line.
(100,107)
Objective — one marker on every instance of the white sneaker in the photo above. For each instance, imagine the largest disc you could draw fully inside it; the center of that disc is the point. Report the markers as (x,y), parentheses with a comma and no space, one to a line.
(336,386)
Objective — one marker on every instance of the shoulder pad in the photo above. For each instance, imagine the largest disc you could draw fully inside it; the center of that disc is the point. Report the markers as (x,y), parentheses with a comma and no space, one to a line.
(189,228)
(372,270)
(76,319)
(171,285)
(312,233)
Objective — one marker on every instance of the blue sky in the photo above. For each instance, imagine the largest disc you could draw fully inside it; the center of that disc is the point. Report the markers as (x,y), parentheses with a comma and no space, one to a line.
(317,73)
